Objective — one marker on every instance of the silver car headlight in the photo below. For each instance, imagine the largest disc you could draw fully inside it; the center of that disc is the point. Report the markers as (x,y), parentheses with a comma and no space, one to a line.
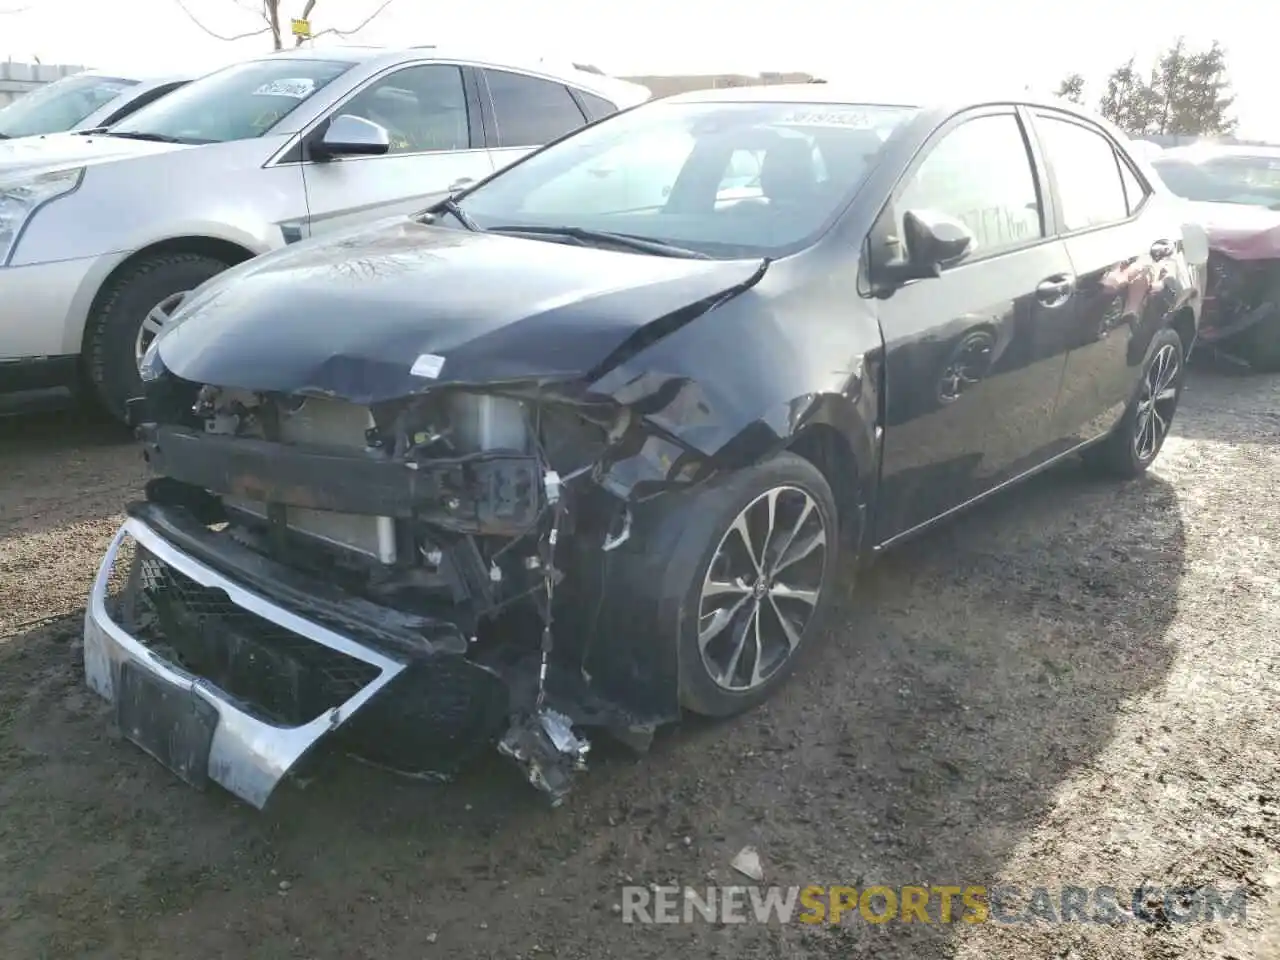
(21,198)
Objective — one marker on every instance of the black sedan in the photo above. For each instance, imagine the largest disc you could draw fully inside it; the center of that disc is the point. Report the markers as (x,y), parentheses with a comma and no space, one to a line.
(585,445)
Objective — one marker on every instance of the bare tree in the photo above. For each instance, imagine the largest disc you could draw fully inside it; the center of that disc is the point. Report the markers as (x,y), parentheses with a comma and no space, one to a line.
(273,16)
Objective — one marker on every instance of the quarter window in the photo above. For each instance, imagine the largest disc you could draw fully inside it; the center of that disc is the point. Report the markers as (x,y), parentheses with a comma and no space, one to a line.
(530,112)
(597,107)
(1134,192)
(980,173)
(1087,171)
(422,108)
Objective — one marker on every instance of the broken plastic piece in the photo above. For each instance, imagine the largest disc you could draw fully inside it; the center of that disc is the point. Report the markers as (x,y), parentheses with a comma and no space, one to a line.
(547,749)
(551,482)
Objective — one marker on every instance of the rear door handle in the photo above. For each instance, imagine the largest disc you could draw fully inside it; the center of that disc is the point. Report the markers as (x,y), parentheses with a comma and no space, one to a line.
(460,183)
(1162,250)
(1055,290)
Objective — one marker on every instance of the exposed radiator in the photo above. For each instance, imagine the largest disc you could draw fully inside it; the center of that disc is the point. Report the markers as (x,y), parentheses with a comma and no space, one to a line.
(339,426)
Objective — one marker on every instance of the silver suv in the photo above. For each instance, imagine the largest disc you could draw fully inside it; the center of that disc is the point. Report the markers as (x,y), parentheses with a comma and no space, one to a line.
(102,237)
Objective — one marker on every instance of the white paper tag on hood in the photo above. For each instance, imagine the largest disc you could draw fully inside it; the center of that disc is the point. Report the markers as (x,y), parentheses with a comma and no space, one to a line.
(427,365)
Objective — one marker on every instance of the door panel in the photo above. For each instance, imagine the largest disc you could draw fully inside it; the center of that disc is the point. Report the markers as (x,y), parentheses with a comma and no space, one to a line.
(425,111)
(973,358)
(1110,235)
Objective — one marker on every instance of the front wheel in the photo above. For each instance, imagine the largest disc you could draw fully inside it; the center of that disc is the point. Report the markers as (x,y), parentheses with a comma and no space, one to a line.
(766,560)
(131,312)
(1137,439)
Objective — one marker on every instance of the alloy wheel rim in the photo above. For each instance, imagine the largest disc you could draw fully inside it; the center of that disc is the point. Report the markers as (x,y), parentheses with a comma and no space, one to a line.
(154,322)
(1156,403)
(761,588)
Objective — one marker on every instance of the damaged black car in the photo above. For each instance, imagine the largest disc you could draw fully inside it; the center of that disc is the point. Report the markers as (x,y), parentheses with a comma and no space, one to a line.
(585,446)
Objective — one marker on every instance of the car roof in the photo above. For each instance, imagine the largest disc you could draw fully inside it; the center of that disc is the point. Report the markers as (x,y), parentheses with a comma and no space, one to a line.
(623,92)
(1199,152)
(140,76)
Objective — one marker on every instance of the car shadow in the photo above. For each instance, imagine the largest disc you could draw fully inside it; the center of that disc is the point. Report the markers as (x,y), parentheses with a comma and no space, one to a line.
(968,674)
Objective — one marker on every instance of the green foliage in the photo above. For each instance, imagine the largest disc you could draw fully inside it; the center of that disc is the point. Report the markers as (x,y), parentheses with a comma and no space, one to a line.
(1187,93)
(1072,88)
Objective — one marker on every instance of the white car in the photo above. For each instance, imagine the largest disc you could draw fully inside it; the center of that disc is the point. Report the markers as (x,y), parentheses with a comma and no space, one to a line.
(103,236)
(84,101)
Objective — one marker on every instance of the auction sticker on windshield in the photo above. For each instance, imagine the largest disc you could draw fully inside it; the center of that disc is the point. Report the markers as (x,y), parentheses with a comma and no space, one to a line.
(299,88)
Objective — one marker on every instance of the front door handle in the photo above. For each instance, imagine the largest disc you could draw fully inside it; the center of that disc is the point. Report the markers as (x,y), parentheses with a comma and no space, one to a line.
(460,183)
(1162,250)
(1055,290)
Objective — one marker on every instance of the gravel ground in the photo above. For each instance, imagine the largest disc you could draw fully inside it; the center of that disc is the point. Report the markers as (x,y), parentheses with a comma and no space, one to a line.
(1078,684)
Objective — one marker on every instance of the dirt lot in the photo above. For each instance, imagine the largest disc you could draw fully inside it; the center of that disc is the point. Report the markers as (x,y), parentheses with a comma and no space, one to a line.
(1078,684)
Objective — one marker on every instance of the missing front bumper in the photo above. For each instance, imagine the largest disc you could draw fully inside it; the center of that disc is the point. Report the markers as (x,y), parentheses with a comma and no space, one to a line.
(244,713)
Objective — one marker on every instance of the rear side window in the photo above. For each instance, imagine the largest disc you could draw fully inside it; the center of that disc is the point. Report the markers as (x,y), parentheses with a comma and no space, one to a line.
(529,111)
(980,173)
(1087,172)
(597,107)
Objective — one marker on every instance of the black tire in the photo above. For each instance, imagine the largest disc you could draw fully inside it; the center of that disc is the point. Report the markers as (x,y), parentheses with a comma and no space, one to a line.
(705,520)
(1120,455)
(111,338)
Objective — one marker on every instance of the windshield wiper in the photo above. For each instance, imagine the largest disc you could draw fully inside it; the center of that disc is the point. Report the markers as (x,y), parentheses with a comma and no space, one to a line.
(450,206)
(586,237)
(152,137)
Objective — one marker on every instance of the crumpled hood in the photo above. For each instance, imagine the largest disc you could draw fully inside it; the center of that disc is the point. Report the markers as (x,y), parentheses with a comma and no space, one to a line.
(30,156)
(366,315)
(1241,231)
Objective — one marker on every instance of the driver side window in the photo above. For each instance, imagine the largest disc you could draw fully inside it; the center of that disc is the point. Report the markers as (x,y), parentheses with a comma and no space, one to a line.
(423,109)
(980,173)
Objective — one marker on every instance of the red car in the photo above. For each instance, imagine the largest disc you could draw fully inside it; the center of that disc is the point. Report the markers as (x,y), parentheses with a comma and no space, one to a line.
(1235,191)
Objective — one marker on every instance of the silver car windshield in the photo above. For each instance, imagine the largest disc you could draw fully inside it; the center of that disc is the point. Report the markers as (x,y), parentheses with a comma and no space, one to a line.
(237,103)
(57,107)
(723,179)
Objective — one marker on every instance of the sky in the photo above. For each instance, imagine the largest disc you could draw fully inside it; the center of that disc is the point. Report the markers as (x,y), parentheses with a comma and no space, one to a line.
(917,48)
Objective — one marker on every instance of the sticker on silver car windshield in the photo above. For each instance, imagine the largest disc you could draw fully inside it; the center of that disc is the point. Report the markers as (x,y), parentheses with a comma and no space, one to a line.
(427,365)
(299,88)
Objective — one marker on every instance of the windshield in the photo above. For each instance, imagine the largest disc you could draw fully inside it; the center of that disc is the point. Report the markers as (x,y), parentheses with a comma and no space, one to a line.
(57,107)
(237,103)
(725,179)
(1253,180)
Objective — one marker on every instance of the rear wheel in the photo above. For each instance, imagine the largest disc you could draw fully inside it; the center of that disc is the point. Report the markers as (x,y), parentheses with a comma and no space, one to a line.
(132,311)
(1137,439)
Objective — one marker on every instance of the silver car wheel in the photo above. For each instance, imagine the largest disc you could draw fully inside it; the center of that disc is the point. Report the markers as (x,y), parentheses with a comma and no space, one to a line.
(1156,402)
(155,321)
(762,588)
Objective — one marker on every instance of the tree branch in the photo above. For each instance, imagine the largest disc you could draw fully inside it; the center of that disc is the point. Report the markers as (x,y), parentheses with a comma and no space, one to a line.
(364,23)
(306,15)
(217,36)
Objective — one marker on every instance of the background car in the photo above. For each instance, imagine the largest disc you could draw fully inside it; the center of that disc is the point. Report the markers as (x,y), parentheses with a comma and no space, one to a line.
(83,101)
(549,457)
(101,237)
(1235,192)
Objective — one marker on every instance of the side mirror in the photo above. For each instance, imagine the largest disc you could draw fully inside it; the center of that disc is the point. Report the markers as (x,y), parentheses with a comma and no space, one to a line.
(349,136)
(933,240)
